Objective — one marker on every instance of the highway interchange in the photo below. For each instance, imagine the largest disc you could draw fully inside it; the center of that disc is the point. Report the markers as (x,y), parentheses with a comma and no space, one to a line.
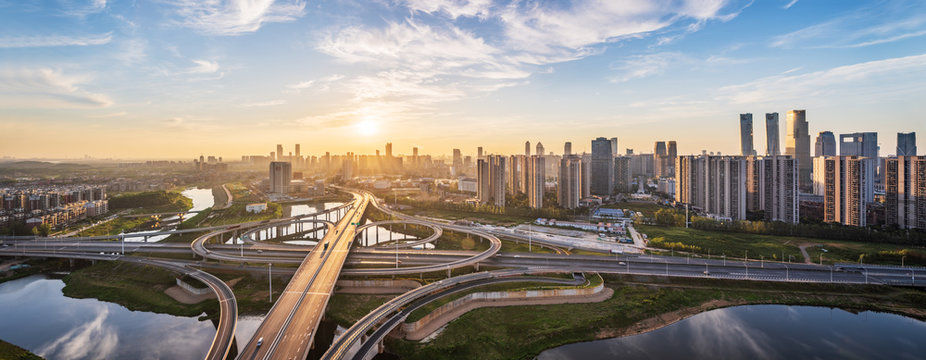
(288,330)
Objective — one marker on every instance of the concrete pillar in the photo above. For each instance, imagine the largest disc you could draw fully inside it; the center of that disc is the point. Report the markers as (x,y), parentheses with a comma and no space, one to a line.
(448,273)
(476,265)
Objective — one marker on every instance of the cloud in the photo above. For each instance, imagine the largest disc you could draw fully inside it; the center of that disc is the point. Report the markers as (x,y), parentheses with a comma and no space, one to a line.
(453,8)
(859,29)
(644,65)
(44,88)
(54,40)
(203,67)
(790,4)
(888,75)
(235,17)
(81,8)
(265,103)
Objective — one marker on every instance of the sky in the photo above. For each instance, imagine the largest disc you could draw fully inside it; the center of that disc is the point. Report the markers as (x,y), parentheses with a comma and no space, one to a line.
(180,78)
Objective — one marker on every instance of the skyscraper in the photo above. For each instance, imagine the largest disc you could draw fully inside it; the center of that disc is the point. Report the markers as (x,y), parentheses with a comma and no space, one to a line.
(825,145)
(298,158)
(457,162)
(798,146)
(490,179)
(715,184)
(859,144)
(279,152)
(622,174)
(660,156)
(779,189)
(670,161)
(602,177)
(540,150)
(614,147)
(516,165)
(906,144)
(536,175)
(846,184)
(389,149)
(746,147)
(479,152)
(567,148)
(527,148)
(905,192)
(773,144)
(281,173)
(569,186)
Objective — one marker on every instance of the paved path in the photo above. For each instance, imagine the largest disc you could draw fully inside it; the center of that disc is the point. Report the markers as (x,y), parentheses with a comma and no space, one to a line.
(803,248)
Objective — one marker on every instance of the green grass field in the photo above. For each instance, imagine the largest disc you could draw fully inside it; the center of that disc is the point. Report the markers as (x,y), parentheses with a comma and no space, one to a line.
(12,352)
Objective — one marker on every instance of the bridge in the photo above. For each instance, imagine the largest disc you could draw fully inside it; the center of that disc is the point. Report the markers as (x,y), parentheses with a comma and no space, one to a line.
(289,328)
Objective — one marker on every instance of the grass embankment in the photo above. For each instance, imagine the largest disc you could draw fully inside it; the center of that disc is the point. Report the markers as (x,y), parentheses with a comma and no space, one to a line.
(777,248)
(524,331)
(482,218)
(251,290)
(509,246)
(237,213)
(12,352)
(346,309)
(647,208)
(137,287)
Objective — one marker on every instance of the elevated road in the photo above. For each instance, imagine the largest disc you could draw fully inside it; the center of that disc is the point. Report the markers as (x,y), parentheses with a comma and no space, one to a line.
(288,330)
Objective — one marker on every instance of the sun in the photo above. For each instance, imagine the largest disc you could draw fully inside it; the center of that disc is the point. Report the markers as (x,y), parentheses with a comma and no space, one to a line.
(367,127)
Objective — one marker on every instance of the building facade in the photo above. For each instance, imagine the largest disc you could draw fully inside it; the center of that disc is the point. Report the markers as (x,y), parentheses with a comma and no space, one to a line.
(602,170)
(714,184)
(569,184)
(798,146)
(281,174)
(746,146)
(905,192)
(772,141)
(536,175)
(846,183)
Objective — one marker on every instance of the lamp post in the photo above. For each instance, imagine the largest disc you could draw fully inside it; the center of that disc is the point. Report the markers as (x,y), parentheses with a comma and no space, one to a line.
(270,279)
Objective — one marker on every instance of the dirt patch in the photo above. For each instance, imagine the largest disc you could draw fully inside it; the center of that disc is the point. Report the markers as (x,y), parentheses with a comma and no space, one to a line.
(666,319)
(233,282)
(183,296)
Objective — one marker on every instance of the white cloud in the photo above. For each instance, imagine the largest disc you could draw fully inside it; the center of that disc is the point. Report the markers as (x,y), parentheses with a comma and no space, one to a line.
(644,65)
(453,8)
(236,17)
(54,40)
(265,103)
(204,67)
(45,88)
(790,4)
(857,30)
(869,78)
(82,8)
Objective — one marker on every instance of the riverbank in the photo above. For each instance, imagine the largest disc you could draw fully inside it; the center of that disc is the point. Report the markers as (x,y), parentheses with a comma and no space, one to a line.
(10,351)
(639,304)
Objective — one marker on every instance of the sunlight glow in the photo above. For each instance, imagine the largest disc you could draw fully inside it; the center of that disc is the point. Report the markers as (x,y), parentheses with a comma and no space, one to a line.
(367,127)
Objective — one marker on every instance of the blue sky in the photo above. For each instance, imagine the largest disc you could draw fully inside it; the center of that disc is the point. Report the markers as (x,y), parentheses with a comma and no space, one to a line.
(176,78)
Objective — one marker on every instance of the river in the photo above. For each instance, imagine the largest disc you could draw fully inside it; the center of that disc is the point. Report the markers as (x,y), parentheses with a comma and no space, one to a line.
(202,199)
(38,317)
(765,332)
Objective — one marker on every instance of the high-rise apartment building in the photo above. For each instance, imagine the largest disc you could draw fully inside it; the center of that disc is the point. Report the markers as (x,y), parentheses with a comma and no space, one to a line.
(479,152)
(527,148)
(905,192)
(298,158)
(846,183)
(623,174)
(672,153)
(389,149)
(825,145)
(602,180)
(281,173)
(715,184)
(516,165)
(491,179)
(540,150)
(279,152)
(797,145)
(567,148)
(906,144)
(746,147)
(614,148)
(772,142)
(660,156)
(779,189)
(569,185)
(457,162)
(536,176)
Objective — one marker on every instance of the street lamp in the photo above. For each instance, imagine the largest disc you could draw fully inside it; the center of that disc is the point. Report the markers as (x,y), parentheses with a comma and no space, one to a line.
(270,279)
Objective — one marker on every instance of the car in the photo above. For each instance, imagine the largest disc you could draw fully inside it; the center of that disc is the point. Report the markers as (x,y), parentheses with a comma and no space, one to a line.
(260,342)
(707,272)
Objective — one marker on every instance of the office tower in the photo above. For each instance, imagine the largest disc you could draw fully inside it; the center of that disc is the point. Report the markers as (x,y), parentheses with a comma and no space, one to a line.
(659,158)
(859,144)
(569,185)
(798,146)
(298,158)
(825,145)
(905,191)
(614,146)
(479,152)
(457,162)
(527,148)
(415,151)
(714,184)
(536,175)
(388,149)
(906,144)
(540,150)
(281,173)
(746,147)
(754,182)
(348,166)
(279,152)
(586,175)
(623,179)
(773,144)
(846,183)
(602,181)
(780,195)
(567,149)
(669,162)
(516,165)
(491,179)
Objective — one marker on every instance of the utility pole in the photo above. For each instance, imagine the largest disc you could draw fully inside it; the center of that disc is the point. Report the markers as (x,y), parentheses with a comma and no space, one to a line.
(270,279)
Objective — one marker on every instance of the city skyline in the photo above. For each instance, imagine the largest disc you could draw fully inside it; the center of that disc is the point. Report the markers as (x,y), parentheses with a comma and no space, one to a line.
(165,80)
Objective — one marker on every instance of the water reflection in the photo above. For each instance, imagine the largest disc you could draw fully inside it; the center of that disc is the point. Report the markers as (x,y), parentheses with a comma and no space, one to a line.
(766,332)
(38,317)
(202,199)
